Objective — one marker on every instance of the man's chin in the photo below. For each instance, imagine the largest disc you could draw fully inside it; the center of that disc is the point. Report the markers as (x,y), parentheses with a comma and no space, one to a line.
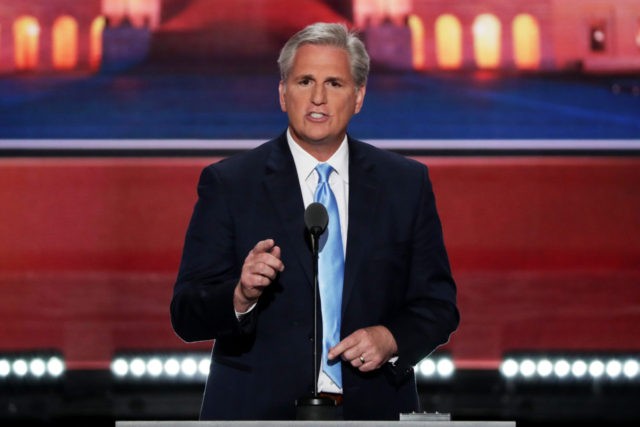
(322,139)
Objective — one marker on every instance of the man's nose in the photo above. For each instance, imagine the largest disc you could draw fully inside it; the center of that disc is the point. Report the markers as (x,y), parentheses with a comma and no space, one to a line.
(319,95)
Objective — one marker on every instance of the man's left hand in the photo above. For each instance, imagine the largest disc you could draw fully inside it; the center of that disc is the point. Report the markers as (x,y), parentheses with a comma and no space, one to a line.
(366,349)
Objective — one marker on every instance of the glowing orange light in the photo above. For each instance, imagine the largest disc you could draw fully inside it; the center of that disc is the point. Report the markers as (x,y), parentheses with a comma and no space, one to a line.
(26,32)
(486,41)
(65,43)
(32,29)
(417,42)
(95,51)
(526,44)
(448,42)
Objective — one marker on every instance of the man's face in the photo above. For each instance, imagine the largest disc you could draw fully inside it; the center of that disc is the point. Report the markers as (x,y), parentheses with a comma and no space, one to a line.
(320,96)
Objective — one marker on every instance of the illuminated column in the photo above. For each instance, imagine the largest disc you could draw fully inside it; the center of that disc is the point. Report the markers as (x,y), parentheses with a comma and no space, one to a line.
(26,43)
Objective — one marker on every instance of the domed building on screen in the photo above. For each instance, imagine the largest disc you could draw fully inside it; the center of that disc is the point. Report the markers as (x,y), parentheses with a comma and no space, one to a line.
(431,35)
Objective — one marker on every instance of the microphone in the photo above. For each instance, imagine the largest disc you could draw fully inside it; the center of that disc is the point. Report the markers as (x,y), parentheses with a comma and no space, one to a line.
(315,407)
(316,219)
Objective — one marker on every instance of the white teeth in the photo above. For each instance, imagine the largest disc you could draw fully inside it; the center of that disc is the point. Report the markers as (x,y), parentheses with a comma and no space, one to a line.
(316,115)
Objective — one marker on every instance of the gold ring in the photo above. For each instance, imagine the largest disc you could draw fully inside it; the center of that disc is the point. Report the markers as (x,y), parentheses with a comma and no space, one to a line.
(362,359)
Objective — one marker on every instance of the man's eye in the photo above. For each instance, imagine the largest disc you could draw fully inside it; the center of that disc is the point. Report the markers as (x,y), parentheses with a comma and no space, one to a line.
(335,84)
(304,82)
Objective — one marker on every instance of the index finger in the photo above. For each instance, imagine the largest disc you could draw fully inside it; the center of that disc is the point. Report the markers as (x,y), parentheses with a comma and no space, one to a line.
(341,347)
(264,246)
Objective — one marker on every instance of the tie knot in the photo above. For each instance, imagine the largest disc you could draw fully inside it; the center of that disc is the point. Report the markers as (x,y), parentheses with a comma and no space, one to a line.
(324,170)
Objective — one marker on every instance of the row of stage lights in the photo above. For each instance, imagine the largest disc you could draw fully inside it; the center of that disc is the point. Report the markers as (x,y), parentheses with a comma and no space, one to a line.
(438,367)
(194,367)
(562,368)
(42,367)
(191,367)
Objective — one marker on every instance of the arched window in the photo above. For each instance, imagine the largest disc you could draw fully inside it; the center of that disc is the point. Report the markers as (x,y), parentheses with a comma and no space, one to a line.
(417,42)
(95,51)
(526,42)
(26,33)
(448,42)
(486,41)
(65,43)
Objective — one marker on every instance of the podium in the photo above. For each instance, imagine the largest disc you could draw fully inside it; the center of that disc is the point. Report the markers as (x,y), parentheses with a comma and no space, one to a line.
(316,423)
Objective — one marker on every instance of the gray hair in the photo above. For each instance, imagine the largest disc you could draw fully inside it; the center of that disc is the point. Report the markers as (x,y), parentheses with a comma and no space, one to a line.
(326,34)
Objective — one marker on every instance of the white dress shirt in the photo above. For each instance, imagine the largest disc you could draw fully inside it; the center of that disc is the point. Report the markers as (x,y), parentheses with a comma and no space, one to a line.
(339,182)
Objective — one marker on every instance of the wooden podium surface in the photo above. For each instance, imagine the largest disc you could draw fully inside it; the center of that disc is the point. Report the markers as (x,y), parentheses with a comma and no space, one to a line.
(316,423)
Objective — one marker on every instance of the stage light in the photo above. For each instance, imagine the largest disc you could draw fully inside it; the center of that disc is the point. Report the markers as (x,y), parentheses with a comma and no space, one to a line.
(561,368)
(437,366)
(204,366)
(37,367)
(445,367)
(5,368)
(20,367)
(154,367)
(579,368)
(120,367)
(630,368)
(614,368)
(55,366)
(596,368)
(509,368)
(527,368)
(544,368)
(189,367)
(427,368)
(172,367)
(138,367)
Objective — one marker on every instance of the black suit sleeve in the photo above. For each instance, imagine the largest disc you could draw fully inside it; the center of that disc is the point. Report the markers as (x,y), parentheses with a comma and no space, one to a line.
(202,303)
(429,313)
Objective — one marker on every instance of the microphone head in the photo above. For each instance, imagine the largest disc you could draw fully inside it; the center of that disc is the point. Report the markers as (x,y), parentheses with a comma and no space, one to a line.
(316,218)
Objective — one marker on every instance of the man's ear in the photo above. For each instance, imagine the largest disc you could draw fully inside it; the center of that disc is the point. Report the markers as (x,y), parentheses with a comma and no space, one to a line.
(281,93)
(360,92)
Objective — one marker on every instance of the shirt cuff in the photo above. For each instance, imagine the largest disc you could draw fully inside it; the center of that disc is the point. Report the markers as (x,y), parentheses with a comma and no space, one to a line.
(240,315)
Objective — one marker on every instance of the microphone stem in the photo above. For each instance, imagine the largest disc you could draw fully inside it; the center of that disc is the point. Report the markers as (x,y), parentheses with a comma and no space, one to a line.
(314,248)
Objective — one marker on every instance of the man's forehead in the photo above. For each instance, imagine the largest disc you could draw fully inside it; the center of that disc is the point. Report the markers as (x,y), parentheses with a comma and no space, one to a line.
(310,61)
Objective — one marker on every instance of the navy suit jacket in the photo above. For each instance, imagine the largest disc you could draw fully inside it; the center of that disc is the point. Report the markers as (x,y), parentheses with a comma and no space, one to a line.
(396,274)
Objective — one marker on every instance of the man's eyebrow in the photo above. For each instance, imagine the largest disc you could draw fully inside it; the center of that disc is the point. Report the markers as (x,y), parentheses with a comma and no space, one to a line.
(305,77)
(328,79)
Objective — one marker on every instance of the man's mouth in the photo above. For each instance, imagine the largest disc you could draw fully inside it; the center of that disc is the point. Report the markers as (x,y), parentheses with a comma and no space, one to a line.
(318,116)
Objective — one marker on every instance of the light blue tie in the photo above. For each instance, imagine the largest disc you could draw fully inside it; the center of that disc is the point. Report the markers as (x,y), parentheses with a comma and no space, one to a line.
(330,273)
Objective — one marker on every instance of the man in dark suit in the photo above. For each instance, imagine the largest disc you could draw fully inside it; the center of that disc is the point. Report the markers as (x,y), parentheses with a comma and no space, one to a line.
(246,274)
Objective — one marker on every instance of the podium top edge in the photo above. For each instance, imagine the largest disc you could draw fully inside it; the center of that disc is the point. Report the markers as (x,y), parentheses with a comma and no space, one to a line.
(316,423)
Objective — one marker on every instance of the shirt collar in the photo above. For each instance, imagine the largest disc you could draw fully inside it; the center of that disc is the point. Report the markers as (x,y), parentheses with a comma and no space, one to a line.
(306,163)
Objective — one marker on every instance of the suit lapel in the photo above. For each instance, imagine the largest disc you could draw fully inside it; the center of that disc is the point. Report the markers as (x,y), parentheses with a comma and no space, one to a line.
(363,203)
(281,184)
